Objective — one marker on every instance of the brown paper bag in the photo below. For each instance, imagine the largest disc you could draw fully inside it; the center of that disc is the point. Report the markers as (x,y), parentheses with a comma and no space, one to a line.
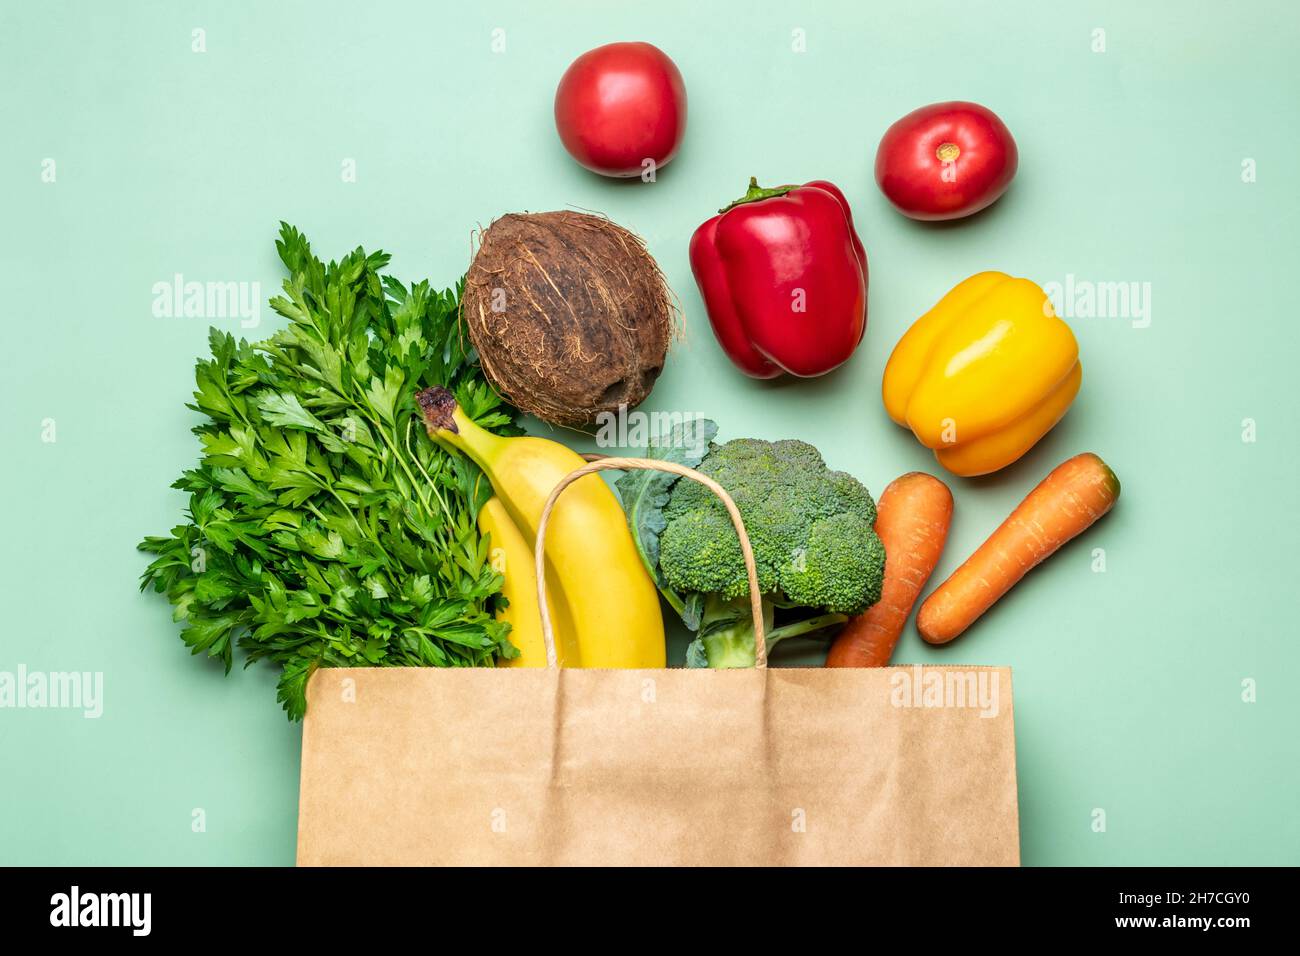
(899,765)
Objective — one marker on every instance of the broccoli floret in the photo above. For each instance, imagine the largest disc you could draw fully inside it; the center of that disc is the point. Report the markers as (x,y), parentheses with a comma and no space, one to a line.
(699,551)
(811,530)
(853,495)
(841,569)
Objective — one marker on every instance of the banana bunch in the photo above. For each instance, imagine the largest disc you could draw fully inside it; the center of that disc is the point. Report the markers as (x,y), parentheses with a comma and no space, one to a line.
(604,607)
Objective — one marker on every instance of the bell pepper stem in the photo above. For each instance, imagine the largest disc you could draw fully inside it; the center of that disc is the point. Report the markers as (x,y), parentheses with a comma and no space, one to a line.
(757,192)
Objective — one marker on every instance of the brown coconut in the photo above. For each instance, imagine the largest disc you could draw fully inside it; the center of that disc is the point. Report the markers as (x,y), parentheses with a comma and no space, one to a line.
(569,313)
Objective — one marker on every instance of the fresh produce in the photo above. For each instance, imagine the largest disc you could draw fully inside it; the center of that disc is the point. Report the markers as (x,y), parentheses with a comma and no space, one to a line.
(1065,504)
(619,106)
(818,558)
(946,161)
(604,601)
(512,558)
(983,375)
(569,314)
(912,522)
(318,532)
(783,276)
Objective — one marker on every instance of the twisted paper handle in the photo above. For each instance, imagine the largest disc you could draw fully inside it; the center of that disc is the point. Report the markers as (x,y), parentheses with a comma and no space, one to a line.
(648,464)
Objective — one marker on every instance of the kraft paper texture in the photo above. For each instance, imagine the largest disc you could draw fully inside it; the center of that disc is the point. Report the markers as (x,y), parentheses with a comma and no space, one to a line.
(784,766)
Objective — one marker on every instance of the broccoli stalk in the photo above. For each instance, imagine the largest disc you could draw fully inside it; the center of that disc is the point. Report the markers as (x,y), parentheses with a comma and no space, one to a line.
(726,632)
(725,636)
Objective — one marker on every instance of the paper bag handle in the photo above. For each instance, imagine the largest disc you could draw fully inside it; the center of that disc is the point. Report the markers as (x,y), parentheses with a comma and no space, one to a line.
(648,464)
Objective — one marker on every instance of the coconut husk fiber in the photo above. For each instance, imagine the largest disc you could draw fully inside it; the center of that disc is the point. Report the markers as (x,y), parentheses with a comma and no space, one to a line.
(569,313)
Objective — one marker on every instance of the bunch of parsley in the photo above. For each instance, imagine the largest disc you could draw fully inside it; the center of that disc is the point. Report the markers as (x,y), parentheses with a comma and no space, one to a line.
(324,529)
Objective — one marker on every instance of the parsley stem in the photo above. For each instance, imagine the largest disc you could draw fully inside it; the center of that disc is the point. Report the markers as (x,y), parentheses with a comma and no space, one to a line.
(427,477)
(344,505)
(317,512)
(397,455)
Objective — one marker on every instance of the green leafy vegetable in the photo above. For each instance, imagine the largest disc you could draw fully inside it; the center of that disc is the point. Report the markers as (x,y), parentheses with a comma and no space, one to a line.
(645,493)
(817,554)
(322,531)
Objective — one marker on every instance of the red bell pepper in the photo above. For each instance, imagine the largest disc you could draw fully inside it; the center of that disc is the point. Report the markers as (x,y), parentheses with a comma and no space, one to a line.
(784,279)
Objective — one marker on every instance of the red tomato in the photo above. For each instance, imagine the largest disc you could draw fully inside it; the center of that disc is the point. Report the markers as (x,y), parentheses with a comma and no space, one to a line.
(946,161)
(619,105)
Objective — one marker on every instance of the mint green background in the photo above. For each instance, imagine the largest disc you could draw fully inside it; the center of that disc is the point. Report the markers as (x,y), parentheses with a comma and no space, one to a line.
(1127,683)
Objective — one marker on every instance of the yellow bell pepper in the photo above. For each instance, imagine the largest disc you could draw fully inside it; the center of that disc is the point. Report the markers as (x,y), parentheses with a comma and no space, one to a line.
(984,374)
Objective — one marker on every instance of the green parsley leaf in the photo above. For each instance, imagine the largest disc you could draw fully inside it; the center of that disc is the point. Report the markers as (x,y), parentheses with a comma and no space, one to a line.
(323,531)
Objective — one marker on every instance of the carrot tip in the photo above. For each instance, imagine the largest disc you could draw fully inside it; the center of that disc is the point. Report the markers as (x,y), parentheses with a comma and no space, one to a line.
(1112,480)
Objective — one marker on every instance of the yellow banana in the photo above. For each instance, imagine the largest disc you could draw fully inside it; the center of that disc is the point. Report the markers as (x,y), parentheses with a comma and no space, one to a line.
(591,561)
(513,558)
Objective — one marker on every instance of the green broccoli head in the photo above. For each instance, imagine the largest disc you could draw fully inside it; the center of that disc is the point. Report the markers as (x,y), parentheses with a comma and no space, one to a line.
(841,568)
(811,529)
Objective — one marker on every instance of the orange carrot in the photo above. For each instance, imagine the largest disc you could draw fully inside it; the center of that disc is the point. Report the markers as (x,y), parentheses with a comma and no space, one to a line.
(912,521)
(1065,504)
